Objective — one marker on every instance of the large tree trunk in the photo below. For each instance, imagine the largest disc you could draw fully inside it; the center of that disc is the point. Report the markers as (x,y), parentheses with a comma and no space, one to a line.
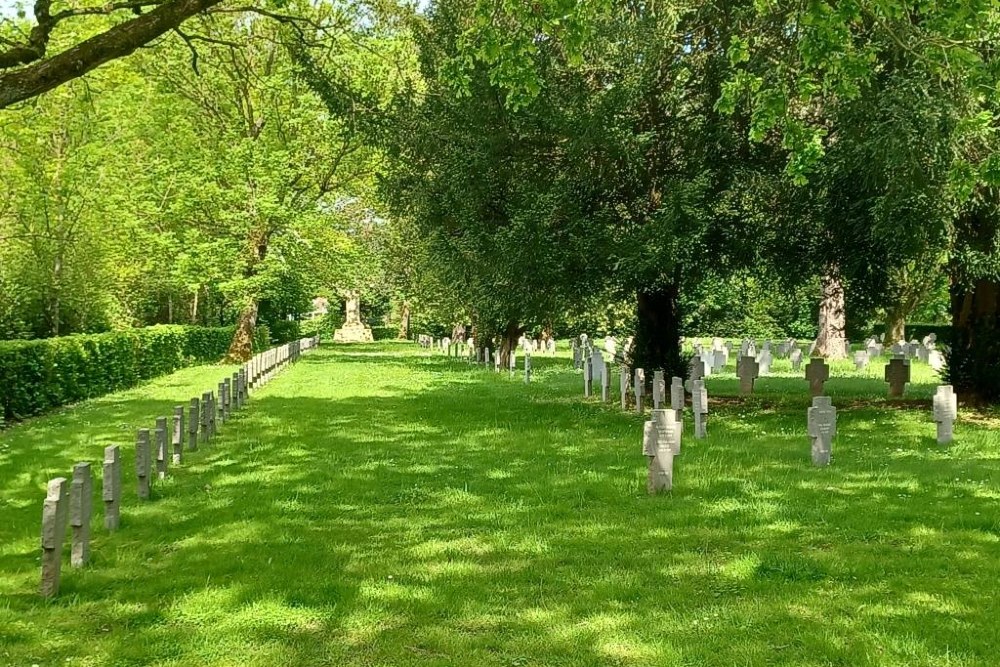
(831,341)
(404,320)
(895,324)
(974,360)
(509,342)
(241,349)
(658,330)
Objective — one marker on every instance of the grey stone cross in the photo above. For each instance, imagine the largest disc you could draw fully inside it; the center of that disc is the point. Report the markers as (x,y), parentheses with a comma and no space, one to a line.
(945,413)
(817,372)
(822,423)
(699,406)
(897,374)
(748,370)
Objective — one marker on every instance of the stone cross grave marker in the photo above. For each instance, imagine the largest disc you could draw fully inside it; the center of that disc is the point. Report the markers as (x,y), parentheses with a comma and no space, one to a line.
(193,420)
(143,465)
(623,376)
(817,372)
(796,357)
(822,424)
(237,400)
(677,397)
(718,361)
(512,361)
(111,486)
(81,499)
(55,511)
(748,370)
(897,374)
(945,413)
(177,435)
(596,362)
(227,400)
(588,386)
(162,452)
(577,355)
(649,438)
(936,360)
(696,369)
(699,406)
(659,387)
(661,464)
(220,412)
(605,382)
(860,360)
(496,361)
(639,386)
(527,369)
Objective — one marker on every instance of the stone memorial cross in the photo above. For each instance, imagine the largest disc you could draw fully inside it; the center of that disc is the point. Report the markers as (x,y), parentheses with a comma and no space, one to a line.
(822,424)
(748,370)
(80,503)
(55,511)
(699,406)
(897,374)
(817,372)
(945,413)
(111,486)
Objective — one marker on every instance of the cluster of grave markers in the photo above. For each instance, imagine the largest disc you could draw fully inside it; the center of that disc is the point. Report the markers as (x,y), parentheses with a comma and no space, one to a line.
(72,500)
(662,433)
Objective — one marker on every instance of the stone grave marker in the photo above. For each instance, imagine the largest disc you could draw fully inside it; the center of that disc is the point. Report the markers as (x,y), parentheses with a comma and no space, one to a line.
(696,369)
(661,464)
(699,406)
(639,385)
(748,370)
(55,512)
(897,374)
(588,382)
(764,360)
(193,420)
(220,412)
(623,375)
(213,414)
(605,382)
(822,425)
(718,361)
(496,361)
(162,451)
(237,399)
(649,438)
(81,500)
(945,413)
(659,387)
(227,399)
(111,486)
(936,360)
(206,408)
(527,369)
(143,463)
(577,355)
(796,358)
(817,372)
(677,397)
(668,428)
(860,360)
(177,435)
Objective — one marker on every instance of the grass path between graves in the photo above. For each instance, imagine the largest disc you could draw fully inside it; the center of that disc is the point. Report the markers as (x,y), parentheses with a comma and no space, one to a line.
(376,505)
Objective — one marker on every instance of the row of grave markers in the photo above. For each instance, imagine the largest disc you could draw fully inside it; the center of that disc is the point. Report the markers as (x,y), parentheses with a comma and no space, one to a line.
(72,500)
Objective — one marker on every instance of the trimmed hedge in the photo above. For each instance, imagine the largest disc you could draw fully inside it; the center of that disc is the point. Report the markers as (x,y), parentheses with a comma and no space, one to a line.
(38,375)
(385,333)
(919,331)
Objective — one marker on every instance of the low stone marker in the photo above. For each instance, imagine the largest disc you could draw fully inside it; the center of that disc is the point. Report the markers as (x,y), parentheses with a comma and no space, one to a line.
(661,464)
(234,384)
(111,486)
(822,424)
(143,464)
(699,406)
(588,382)
(668,428)
(80,505)
(897,374)
(659,389)
(220,406)
(194,419)
(748,370)
(605,382)
(796,358)
(817,372)
(177,435)
(696,369)
(718,361)
(860,360)
(162,451)
(227,400)
(639,386)
(55,511)
(945,413)
(764,360)
(527,369)
(677,397)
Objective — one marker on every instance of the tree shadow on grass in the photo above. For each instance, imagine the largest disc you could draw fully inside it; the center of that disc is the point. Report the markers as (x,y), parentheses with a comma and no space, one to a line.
(452,516)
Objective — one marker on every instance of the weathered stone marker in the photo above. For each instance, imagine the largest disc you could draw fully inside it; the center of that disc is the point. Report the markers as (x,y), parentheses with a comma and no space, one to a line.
(897,374)
(227,401)
(194,419)
(945,413)
(696,369)
(659,389)
(80,505)
(234,384)
(111,486)
(796,357)
(764,360)
(220,405)
(162,451)
(860,360)
(142,463)
(527,369)
(605,382)
(55,511)
(817,372)
(639,387)
(822,424)
(649,438)
(699,406)
(623,376)
(668,428)
(677,397)
(748,370)
(588,387)
(177,435)
(661,463)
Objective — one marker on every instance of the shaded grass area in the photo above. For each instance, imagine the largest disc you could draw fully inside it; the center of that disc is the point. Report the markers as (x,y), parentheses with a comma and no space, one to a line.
(376,505)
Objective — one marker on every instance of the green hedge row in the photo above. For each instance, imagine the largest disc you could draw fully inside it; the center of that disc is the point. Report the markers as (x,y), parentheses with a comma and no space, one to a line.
(38,375)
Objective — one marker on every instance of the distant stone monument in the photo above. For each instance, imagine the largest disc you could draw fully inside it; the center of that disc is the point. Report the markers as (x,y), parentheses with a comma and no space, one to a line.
(353,331)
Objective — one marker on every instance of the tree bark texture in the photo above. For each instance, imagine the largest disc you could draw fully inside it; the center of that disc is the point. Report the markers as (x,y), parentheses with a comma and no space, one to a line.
(658,329)
(831,339)
(974,360)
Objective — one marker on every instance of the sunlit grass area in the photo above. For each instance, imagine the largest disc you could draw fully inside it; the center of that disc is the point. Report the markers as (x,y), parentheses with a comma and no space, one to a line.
(380,505)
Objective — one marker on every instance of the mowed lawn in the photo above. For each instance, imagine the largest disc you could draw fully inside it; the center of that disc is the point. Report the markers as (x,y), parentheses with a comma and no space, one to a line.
(380,505)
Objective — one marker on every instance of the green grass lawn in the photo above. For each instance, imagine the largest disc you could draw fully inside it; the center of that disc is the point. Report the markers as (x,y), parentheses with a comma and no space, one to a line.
(377,505)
